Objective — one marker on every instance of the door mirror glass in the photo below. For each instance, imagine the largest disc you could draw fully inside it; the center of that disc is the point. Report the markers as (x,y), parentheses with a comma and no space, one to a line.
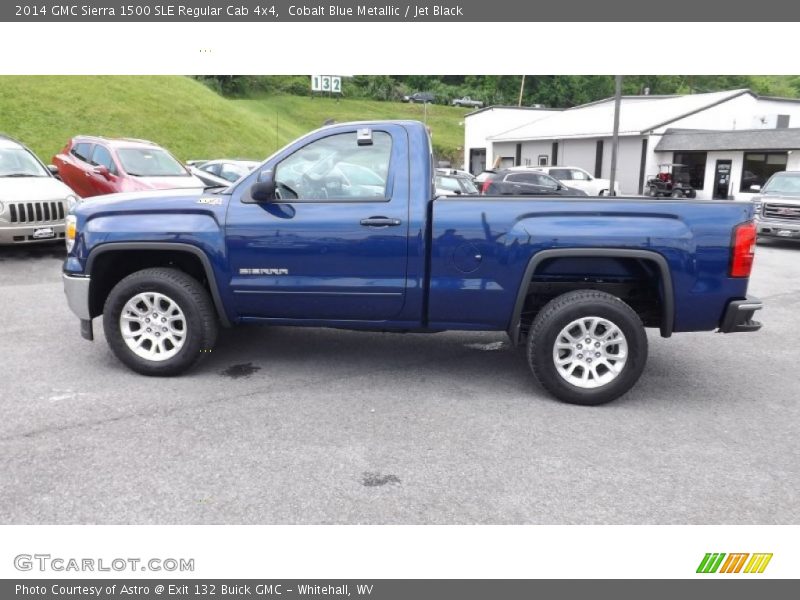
(101,170)
(263,191)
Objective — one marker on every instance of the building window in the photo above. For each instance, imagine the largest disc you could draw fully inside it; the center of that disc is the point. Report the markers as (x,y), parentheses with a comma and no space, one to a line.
(693,170)
(760,166)
(543,160)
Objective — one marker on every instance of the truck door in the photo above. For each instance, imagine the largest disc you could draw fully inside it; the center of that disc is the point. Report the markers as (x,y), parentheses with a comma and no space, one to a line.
(334,244)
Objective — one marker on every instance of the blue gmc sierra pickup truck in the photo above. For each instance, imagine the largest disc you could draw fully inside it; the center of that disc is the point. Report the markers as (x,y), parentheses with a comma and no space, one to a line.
(341,229)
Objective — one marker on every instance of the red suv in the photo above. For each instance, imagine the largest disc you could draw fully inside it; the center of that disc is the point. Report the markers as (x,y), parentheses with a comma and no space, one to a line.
(94,165)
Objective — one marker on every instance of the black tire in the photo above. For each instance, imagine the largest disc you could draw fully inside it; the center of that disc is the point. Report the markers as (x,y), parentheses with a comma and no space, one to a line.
(677,194)
(653,191)
(192,299)
(558,314)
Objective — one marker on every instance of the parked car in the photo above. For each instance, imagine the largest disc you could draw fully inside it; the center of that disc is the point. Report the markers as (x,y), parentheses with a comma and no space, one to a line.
(577,178)
(450,183)
(670,183)
(33,202)
(462,173)
(576,281)
(95,165)
(510,182)
(420,97)
(777,207)
(209,180)
(467,101)
(225,168)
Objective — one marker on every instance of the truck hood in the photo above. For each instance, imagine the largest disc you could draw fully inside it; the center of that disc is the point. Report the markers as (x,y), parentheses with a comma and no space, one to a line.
(779,198)
(32,189)
(173,200)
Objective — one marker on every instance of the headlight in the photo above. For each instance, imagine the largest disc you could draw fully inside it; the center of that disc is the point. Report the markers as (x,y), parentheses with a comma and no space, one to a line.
(72,202)
(757,205)
(70,231)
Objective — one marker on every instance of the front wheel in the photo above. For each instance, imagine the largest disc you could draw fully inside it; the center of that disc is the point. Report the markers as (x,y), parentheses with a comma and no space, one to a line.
(159,321)
(587,347)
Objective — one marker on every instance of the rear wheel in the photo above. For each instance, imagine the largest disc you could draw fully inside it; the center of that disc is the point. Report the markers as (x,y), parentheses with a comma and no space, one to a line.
(159,321)
(677,194)
(653,191)
(587,347)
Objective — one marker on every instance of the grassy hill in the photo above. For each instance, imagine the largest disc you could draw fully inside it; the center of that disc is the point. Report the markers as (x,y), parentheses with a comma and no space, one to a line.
(185,116)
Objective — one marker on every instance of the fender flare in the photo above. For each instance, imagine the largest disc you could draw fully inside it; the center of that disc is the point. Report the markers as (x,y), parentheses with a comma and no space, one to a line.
(173,246)
(668,304)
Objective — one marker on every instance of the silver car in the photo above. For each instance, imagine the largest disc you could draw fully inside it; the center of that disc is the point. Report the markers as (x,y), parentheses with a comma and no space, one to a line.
(778,205)
(33,203)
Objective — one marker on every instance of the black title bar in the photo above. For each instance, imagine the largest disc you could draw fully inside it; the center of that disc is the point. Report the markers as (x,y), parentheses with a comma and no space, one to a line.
(669,15)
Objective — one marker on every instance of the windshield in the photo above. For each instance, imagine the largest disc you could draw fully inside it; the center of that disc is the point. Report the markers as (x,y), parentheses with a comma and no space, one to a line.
(783,184)
(18,162)
(150,162)
(470,187)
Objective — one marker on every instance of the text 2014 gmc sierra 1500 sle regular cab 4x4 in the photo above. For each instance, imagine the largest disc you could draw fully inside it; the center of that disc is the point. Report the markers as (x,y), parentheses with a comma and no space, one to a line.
(341,229)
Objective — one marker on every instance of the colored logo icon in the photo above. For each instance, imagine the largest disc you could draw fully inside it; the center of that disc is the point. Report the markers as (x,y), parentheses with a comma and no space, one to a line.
(719,562)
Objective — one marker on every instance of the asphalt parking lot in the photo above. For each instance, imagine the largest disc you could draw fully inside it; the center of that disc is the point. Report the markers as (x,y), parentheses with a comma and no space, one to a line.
(287,425)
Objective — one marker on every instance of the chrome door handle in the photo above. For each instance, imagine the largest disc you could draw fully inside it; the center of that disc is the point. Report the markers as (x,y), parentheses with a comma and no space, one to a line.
(380,222)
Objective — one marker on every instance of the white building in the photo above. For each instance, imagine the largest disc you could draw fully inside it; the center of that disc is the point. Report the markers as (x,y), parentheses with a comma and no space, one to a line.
(482,123)
(727,141)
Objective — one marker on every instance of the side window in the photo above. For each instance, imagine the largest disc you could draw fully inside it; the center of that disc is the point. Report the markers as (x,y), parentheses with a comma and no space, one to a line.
(337,168)
(448,183)
(563,174)
(579,175)
(101,156)
(231,172)
(545,181)
(213,169)
(521,178)
(82,151)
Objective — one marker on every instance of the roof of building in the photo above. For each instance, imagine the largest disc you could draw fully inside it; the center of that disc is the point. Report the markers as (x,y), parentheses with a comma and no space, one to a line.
(682,140)
(504,107)
(638,115)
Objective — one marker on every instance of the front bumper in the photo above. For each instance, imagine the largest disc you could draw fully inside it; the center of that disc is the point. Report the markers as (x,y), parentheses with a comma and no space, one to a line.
(76,288)
(782,229)
(31,234)
(738,316)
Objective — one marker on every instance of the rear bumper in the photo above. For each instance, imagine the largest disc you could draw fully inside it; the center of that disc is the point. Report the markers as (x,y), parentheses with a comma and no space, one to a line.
(738,317)
(77,291)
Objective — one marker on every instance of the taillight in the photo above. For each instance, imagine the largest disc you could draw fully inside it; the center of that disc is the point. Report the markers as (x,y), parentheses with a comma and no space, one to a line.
(744,249)
(485,186)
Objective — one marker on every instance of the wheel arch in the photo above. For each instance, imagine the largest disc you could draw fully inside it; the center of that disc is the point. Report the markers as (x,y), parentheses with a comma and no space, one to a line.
(192,259)
(667,293)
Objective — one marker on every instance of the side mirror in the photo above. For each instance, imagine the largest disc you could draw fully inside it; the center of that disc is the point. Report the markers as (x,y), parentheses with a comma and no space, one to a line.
(263,191)
(102,170)
(53,170)
(755,188)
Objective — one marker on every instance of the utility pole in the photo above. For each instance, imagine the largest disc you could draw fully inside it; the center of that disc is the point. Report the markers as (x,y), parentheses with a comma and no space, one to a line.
(615,139)
(521,89)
